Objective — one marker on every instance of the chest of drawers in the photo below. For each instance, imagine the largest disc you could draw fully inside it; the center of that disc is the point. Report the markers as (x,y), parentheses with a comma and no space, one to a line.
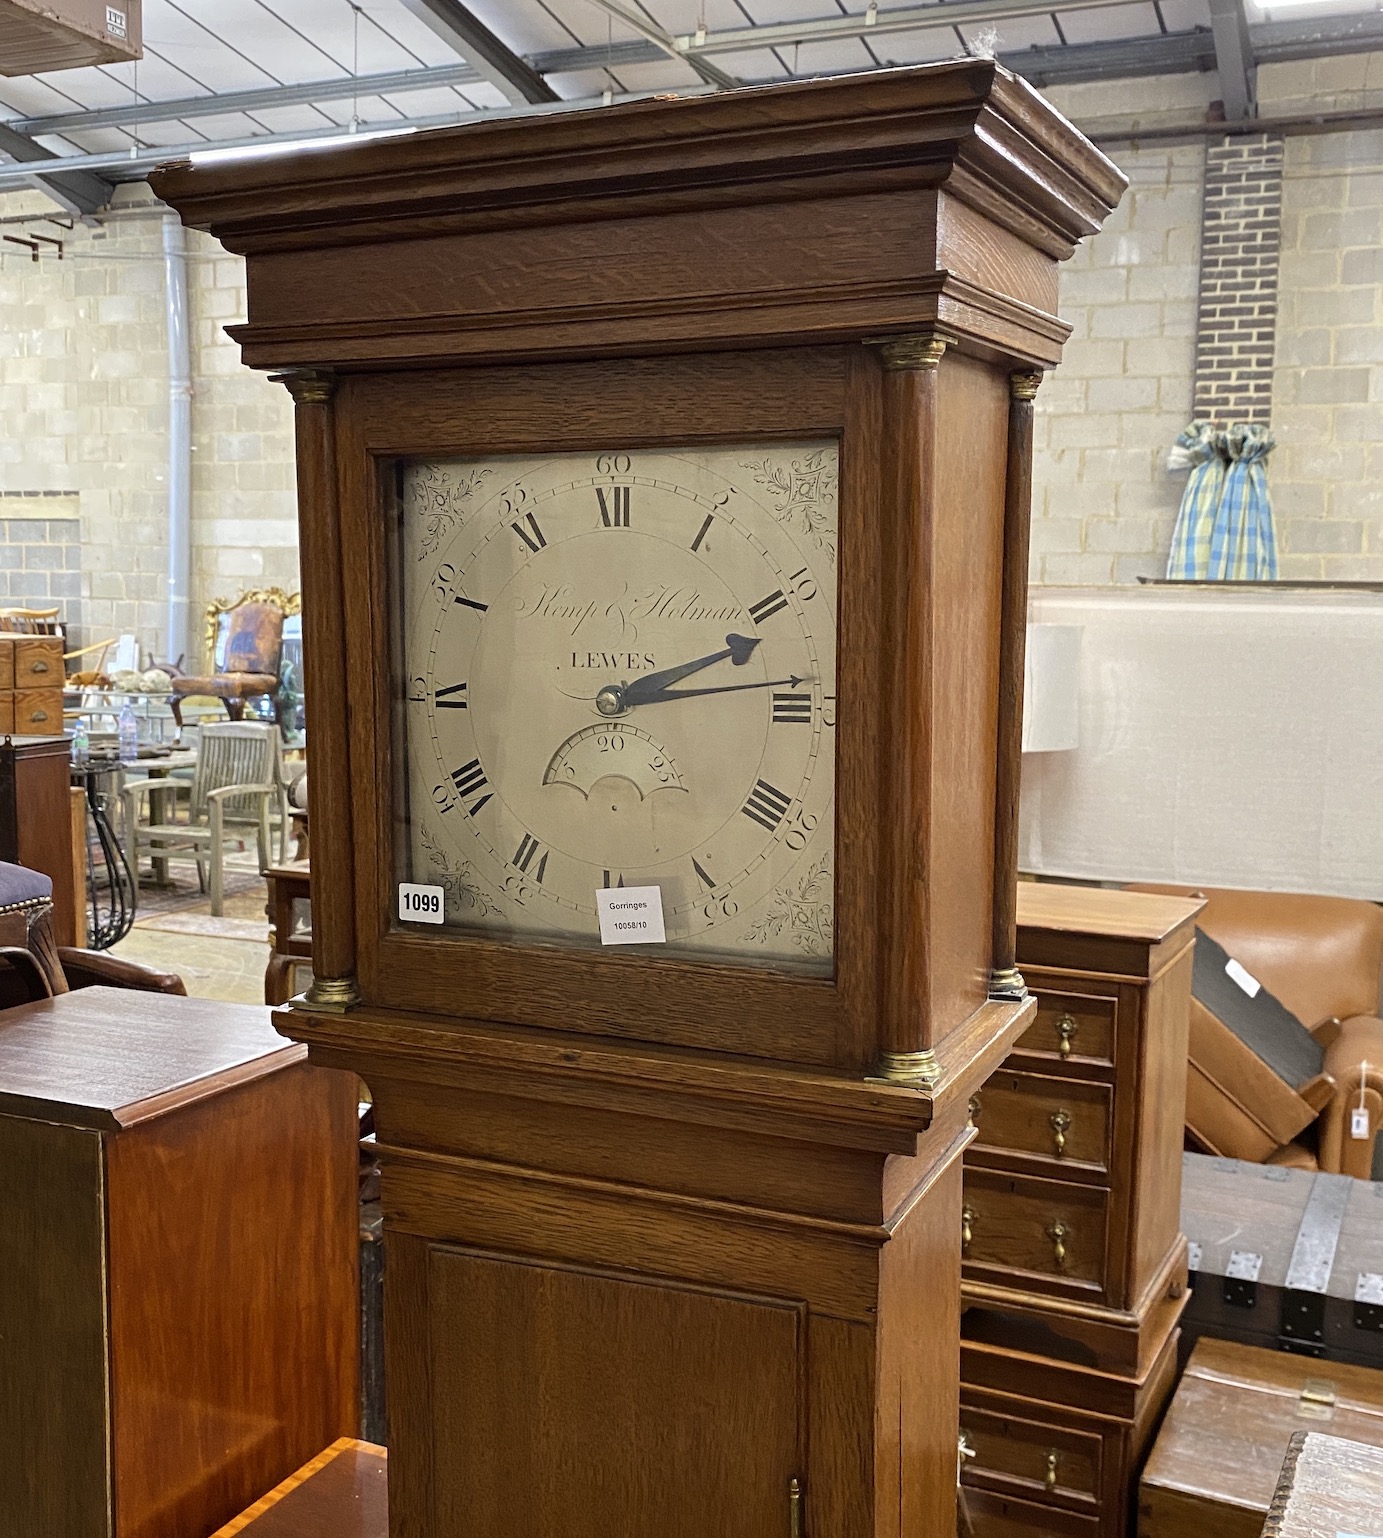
(1074,1262)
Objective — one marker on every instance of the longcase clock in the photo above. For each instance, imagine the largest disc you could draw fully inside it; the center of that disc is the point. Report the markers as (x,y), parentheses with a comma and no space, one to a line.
(663,479)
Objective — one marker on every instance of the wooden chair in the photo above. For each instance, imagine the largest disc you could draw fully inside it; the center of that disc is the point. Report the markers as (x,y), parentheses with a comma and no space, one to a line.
(236,782)
(244,651)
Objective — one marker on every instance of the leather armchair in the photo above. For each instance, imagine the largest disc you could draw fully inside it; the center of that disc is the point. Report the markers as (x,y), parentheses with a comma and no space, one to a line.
(1322,957)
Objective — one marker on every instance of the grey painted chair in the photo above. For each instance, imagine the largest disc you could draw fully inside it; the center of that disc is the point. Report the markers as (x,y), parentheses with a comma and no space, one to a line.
(236,785)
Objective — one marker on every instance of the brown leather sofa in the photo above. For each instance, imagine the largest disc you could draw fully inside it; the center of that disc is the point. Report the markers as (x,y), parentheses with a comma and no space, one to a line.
(1322,957)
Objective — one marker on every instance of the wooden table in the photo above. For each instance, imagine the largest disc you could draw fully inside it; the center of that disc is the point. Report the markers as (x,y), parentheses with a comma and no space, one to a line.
(290,938)
(1328,1487)
(342,1493)
(178,1297)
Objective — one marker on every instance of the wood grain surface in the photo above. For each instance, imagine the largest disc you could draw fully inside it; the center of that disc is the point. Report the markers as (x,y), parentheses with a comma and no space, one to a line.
(108,1058)
(1328,1486)
(341,1493)
(234,1317)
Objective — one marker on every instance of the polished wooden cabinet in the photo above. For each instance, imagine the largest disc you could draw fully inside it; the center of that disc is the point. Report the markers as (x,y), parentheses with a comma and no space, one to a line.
(1075,1265)
(178,1307)
(673,1236)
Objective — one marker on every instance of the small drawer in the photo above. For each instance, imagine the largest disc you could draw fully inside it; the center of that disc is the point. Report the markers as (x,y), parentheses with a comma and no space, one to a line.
(7,661)
(1055,1121)
(37,712)
(1018,1230)
(1002,1516)
(38,662)
(6,712)
(1071,1026)
(1029,1458)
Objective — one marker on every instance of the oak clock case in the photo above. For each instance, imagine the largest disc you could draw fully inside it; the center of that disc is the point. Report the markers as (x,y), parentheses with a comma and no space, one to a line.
(616,668)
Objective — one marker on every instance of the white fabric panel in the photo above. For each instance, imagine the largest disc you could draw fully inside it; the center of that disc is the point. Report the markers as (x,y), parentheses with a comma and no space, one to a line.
(1228,737)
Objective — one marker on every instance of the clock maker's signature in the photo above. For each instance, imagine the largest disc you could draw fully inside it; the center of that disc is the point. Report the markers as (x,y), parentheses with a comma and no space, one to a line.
(575,611)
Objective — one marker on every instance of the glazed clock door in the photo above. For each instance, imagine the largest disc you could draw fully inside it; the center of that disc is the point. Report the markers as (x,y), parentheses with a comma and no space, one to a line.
(619,671)
(583,1403)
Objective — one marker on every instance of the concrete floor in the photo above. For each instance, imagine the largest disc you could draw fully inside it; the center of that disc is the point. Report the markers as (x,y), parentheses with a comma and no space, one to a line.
(217,958)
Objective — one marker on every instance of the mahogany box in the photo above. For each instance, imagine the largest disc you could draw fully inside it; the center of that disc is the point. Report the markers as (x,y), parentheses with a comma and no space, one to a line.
(178,1315)
(1215,1465)
(1284,1258)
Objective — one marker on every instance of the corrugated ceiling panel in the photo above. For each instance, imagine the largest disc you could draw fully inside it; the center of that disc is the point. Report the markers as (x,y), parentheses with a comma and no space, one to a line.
(525,25)
(755,64)
(920,47)
(1020,32)
(1183,15)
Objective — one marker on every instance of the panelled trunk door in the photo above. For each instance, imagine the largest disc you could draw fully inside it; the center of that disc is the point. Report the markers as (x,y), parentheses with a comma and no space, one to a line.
(584,1403)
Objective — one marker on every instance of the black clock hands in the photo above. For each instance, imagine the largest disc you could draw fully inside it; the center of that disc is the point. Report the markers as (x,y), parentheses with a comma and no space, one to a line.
(614,699)
(686,694)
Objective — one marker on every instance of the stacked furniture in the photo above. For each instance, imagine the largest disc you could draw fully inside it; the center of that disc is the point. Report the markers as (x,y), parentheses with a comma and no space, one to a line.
(1074,1262)
(1301,1083)
(31,680)
(1216,1466)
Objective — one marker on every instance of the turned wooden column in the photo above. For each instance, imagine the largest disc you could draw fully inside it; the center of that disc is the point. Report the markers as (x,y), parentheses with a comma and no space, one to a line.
(1005,980)
(909,404)
(324,672)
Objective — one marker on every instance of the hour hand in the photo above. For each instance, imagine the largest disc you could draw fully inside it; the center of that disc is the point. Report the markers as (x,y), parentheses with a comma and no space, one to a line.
(614,699)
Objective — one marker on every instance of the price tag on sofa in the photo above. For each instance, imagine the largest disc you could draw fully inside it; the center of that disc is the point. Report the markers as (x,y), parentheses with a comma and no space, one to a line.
(420,904)
(1359,1122)
(1246,980)
(630,915)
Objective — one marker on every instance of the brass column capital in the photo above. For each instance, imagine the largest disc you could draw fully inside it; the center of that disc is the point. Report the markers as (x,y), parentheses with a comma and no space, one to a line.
(913,352)
(307,386)
(1023,383)
(909,1070)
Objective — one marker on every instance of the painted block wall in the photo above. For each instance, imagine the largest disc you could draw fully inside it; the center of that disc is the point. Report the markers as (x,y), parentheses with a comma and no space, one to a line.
(1104,502)
(83,393)
(84,419)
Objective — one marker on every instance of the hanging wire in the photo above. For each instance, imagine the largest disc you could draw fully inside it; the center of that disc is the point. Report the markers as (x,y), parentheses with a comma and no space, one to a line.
(355,65)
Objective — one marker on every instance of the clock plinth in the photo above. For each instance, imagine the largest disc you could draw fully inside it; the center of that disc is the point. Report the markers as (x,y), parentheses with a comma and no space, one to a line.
(664,480)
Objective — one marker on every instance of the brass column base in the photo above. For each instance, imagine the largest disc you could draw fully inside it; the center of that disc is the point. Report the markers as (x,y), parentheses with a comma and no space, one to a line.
(911,1070)
(1007,983)
(333,995)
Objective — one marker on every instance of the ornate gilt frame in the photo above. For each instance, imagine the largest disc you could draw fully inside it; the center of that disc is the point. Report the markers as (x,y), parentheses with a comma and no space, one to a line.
(290,603)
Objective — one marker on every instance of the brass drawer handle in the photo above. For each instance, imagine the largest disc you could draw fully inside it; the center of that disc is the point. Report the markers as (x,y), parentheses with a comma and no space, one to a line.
(967,1228)
(1061,1125)
(975,1109)
(39,715)
(1053,1458)
(39,666)
(1058,1233)
(795,1513)
(1066,1029)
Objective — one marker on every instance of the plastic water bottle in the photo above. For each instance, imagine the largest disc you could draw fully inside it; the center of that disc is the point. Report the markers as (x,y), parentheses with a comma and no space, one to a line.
(81,742)
(129,735)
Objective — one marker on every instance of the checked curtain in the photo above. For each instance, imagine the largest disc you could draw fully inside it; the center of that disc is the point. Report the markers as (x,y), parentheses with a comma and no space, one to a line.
(1224,529)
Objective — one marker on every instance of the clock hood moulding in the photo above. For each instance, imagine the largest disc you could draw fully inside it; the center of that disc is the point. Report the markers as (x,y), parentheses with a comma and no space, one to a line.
(940,195)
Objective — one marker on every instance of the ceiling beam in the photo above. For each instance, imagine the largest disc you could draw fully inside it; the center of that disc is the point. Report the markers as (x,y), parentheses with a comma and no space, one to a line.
(493,58)
(79,192)
(664,42)
(1234,59)
(1174,53)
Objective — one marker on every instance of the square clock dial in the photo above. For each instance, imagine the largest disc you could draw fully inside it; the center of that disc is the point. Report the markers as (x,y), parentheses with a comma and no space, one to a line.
(618,669)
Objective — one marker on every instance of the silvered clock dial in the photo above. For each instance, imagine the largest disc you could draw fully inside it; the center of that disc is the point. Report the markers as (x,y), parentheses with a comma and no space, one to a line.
(619,669)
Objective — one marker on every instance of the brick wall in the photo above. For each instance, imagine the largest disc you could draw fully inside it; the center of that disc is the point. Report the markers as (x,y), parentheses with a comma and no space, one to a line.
(1104,502)
(1241,232)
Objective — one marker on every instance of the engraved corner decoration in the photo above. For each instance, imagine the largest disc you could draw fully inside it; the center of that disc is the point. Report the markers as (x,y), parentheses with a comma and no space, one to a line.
(457,879)
(802,494)
(307,386)
(801,910)
(442,496)
(1023,384)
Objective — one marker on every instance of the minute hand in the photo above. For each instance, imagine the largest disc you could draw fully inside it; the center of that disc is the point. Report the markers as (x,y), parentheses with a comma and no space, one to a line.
(737,647)
(686,694)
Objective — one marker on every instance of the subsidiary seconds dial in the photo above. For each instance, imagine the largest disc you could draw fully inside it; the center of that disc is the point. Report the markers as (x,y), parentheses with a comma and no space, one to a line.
(621,670)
